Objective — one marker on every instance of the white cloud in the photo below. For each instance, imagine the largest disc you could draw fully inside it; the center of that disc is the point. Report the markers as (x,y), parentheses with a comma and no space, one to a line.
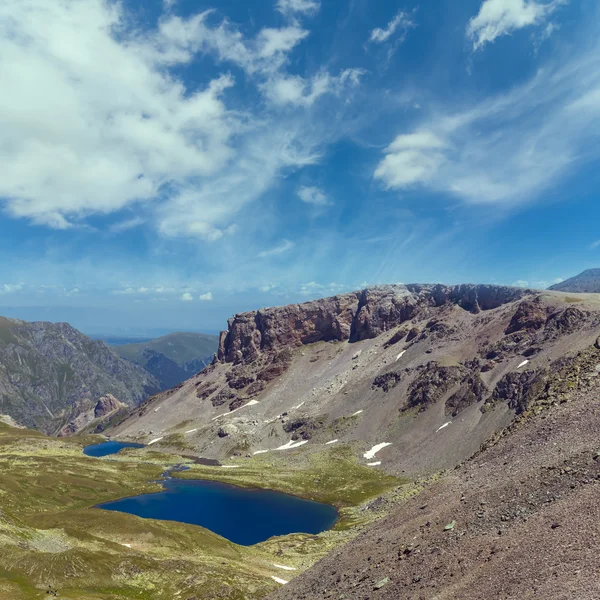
(401,21)
(296,90)
(501,17)
(186,297)
(594,244)
(282,248)
(313,195)
(10,288)
(520,283)
(288,7)
(93,121)
(206,297)
(508,149)
(124,292)
(126,225)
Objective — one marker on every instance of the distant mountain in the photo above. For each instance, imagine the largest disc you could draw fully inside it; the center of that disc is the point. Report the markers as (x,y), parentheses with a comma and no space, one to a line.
(586,282)
(50,374)
(172,358)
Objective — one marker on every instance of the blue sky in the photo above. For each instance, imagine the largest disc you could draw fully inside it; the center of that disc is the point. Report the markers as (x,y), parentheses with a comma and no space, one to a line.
(168,163)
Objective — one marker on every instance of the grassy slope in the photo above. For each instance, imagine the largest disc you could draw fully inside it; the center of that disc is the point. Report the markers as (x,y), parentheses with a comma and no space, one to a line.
(179,347)
(52,538)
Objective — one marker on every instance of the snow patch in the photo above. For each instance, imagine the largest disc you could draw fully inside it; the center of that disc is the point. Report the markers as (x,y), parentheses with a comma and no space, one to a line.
(284,567)
(400,355)
(278,580)
(357,413)
(192,430)
(251,403)
(291,444)
(375,449)
(374,464)
(260,452)
(297,407)
(523,364)
(157,409)
(331,442)
(443,426)
(126,545)
(230,466)
(154,441)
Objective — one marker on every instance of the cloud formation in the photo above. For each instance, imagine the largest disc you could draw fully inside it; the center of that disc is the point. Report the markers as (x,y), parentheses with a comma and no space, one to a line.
(501,17)
(313,195)
(402,22)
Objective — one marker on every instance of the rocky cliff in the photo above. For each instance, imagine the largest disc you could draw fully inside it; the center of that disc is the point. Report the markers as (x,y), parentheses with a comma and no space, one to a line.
(355,316)
(50,373)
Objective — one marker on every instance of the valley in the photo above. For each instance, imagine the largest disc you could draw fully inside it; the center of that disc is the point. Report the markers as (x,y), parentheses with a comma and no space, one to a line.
(433,418)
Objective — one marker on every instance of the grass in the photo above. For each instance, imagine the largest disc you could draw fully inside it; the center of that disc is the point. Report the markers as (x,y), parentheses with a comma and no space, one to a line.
(51,537)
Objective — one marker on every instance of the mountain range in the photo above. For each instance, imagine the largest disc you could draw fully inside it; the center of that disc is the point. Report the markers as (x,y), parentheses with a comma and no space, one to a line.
(172,358)
(455,429)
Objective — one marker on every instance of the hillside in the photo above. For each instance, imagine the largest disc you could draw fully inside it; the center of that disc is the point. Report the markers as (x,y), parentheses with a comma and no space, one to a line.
(51,374)
(172,358)
(387,365)
(455,429)
(586,282)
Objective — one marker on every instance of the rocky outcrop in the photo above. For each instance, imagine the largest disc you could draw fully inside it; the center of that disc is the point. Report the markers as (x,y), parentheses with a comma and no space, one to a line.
(355,316)
(106,405)
(519,390)
(433,383)
(530,314)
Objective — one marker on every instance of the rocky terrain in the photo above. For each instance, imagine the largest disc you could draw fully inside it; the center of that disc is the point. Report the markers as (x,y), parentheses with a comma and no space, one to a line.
(172,358)
(54,378)
(429,371)
(455,428)
(586,282)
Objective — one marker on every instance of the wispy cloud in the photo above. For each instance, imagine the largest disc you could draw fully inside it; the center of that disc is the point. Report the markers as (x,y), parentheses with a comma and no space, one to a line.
(594,245)
(187,297)
(282,248)
(290,7)
(497,18)
(508,149)
(401,23)
(207,297)
(313,195)
(10,288)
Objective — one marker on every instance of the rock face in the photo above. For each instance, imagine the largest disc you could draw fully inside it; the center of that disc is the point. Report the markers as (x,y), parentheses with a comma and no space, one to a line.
(50,373)
(355,316)
(106,405)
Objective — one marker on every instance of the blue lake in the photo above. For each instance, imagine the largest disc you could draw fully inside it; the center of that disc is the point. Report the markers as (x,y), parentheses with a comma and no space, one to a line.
(244,516)
(106,448)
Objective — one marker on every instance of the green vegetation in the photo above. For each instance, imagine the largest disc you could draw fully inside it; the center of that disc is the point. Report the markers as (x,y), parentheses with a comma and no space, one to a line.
(179,347)
(52,539)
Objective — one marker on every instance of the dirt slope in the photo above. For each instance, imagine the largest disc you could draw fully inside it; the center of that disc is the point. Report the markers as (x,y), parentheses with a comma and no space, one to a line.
(436,378)
(527,523)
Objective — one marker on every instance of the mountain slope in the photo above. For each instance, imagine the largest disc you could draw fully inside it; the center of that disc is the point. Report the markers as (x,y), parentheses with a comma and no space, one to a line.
(172,358)
(50,373)
(586,282)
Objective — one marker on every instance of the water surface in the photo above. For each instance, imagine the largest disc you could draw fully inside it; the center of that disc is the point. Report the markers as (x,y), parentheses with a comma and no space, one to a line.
(106,448)
(241,515)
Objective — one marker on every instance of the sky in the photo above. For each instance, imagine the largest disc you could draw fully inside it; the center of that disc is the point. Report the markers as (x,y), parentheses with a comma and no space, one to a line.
(165,164)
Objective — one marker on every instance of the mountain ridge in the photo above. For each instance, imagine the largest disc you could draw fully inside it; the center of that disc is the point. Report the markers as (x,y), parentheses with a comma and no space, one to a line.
(587,281)
(51,372)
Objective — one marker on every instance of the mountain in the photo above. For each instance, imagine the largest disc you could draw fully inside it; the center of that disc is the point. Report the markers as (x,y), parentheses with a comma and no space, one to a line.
(172,358)
(51,375)
(385,364)
(481,400)
(586,282)
(455,429)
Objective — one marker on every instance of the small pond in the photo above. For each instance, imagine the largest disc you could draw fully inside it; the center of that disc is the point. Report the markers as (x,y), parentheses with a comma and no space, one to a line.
(106,448)
(244,516)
